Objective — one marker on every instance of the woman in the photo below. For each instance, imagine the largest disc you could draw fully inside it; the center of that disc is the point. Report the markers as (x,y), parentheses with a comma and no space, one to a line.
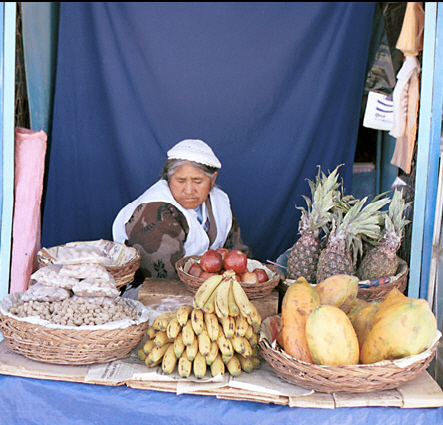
(182,214)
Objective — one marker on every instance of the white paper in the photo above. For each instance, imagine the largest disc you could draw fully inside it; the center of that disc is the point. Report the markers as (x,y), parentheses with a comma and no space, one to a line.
(265,380)
(379,113)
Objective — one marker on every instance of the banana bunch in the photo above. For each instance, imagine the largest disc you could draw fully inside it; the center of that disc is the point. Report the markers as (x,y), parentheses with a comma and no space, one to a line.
(219,332)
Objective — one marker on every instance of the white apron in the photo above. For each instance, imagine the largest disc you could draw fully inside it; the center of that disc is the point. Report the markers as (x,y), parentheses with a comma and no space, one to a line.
(197,241)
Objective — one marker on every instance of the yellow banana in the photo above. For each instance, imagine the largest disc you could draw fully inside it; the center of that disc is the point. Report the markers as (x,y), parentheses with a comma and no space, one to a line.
(161,338)
(241,325)
(150,332)
(224,345)
(184,366)
(188,334)
(160,323)
(239,344)
(241,299)
(213,351)
(204,343)
(253,340)
(173,328)
(155,356)
(228,325)
(199,366)
(169,360)
(254,319)
(192,350)
(249,332)
(233,307)
(205,290)
(247,365)
(217,311)
(256,362)
(234,366)
(217,366)
(197,321)
(221,298)
(148,345)
(183,312)
(226,358)
(212,325)
(142,355)
(255,351)
(209,306)
(179,345)
(249,351)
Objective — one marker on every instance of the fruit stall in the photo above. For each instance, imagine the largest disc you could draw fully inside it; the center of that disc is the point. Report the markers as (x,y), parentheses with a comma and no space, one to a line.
(340,327)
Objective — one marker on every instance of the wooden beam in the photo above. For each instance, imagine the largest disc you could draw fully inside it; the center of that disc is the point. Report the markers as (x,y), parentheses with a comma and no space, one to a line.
(7,109)
(428,152)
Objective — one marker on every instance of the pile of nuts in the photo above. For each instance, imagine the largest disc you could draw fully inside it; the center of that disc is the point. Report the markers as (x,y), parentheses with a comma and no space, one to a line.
(75,311)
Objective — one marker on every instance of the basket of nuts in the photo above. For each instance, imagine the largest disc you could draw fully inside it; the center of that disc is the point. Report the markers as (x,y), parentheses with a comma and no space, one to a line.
(73,330)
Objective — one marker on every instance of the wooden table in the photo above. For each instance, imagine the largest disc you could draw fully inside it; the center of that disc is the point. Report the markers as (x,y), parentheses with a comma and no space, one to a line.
(153,291)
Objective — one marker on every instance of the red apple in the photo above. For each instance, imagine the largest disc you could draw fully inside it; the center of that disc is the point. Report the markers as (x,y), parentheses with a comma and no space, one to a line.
(205,275)
(223,251)
(237,261)
(262,275)
(249,277)
(195,270)
(211,261)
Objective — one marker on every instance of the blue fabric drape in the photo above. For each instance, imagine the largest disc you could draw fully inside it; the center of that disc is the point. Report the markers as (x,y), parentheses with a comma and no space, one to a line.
(274,88)
(28,401)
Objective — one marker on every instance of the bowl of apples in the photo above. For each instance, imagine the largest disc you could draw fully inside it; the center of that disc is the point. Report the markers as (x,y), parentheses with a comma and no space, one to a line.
(257,279)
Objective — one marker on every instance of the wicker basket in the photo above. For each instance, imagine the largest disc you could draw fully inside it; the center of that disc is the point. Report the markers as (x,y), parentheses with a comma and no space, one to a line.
(252,290)
(68,345)
(377,290)
(361,378)
(125,259)
(371,290)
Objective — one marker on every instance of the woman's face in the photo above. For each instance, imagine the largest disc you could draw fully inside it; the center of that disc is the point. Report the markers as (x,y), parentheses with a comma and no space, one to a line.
(190,186)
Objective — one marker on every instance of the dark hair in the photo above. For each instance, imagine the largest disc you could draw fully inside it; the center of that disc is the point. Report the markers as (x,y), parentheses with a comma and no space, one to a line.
(172,165)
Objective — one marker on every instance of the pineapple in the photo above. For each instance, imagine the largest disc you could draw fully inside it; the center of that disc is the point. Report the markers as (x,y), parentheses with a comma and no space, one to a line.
(382,261)
(303,256)
(344,243)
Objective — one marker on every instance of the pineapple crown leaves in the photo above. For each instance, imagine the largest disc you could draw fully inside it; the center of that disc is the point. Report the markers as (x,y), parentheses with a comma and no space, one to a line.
(395,220)
(325,195)
(362,219)
(345,202)
(397,212)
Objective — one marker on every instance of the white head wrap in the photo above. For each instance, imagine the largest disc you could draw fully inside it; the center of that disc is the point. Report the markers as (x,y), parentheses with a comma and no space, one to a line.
(194,150)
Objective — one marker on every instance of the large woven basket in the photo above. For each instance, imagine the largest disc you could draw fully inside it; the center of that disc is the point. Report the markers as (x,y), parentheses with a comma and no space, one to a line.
(377,290)
(374,289)
(360,378)
(125,260)
(68,345)
(252,290)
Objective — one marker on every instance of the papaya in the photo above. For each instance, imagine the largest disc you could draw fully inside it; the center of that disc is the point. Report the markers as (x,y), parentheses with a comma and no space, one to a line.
(279,338)
(401,326)
(355,308)
(339,290)
(394,297)
(363,320)
(299,301)
(331,337)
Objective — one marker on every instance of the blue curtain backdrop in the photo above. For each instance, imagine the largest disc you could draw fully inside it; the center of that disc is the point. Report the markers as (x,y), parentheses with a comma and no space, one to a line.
(274,88)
